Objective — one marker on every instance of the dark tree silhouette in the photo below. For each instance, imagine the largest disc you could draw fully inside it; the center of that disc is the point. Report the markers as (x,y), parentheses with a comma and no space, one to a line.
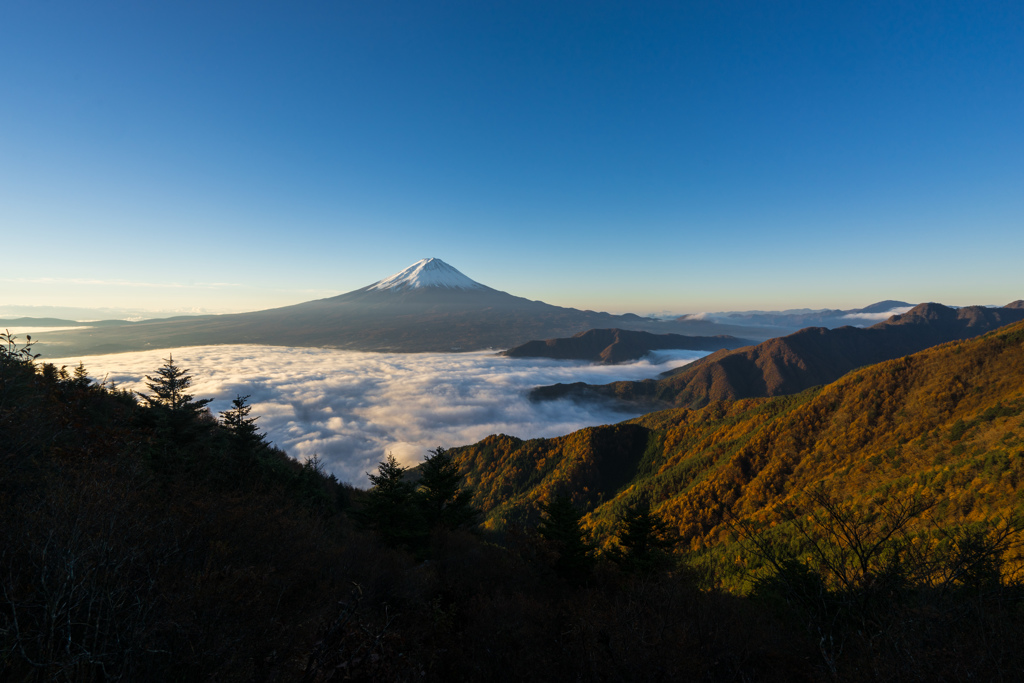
(11,354)
(441,497)
(644,540)
(390,507)
(243,427)
(169,389)
(561,528)
(81,375)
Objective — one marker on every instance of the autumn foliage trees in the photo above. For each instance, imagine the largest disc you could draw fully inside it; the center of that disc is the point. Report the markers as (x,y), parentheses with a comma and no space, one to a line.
(945,423)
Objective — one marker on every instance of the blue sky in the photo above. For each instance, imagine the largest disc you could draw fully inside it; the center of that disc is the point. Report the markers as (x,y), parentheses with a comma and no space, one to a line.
(640,157)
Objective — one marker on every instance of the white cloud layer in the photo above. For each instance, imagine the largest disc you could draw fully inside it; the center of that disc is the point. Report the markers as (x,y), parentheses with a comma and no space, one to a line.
(878,317)
(353,408)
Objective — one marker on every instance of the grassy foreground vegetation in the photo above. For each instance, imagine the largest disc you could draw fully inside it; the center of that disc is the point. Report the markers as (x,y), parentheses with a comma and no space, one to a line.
(775,539)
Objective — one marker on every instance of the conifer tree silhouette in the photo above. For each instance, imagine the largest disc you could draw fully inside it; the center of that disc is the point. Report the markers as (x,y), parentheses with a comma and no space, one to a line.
(169,389)
(444,501)
(644,540)
(561,527)
(391,508)
(237,419)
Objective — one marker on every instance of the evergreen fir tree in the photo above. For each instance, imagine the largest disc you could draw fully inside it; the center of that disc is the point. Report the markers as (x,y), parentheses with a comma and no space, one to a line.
(441,497)
(243,427)
(81,376)
(562,529)
(390,507)
(169,389)
(645,540)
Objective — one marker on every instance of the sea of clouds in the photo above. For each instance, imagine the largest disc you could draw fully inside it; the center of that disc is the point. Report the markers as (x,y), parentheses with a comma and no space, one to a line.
(353,408)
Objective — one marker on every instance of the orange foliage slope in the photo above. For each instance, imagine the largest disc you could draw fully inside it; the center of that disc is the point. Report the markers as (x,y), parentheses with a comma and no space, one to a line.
(946,423)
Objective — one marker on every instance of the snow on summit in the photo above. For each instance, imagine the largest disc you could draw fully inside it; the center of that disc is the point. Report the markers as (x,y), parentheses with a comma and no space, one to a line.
(428,272)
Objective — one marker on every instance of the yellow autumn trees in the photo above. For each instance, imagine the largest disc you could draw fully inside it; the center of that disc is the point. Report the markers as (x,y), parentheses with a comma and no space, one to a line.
(946,423)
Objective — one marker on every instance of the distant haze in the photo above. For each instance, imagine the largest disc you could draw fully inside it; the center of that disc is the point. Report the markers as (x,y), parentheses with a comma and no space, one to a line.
(105,313)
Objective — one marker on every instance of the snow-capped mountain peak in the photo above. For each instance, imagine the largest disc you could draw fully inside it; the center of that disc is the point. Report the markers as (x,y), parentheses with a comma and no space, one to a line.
(428,272)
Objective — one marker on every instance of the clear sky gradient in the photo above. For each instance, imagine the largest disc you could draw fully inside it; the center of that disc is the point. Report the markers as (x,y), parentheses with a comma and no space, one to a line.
(645,157)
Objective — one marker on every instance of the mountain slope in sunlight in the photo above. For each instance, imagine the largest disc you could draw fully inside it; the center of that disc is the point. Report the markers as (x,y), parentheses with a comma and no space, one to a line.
(946,423)
(791,364)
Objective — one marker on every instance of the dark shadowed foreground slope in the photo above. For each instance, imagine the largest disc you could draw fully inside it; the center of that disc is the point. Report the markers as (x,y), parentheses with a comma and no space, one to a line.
(618,346)
(788,365)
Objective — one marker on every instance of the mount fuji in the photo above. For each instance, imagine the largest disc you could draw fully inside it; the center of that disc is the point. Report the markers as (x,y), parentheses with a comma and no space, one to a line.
(425,273)
(429,306)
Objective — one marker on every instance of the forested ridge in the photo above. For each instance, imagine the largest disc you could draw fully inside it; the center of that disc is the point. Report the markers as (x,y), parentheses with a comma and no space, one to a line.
(790,364)
(618,346)
(945,424)
(865,530)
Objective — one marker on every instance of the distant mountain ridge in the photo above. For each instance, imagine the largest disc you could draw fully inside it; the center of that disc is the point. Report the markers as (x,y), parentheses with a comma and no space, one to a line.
(612,346)
(796,319)
(428,307)
(790,364)
(53,322)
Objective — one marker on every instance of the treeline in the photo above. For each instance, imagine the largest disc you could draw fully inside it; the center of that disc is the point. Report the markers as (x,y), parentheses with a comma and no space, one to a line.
(146,539)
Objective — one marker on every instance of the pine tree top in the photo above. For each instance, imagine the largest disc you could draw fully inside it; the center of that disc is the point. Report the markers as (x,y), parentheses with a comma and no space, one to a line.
(169,389)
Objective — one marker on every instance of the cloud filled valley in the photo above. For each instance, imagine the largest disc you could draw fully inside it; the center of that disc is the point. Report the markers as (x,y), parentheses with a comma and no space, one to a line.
(352,408)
